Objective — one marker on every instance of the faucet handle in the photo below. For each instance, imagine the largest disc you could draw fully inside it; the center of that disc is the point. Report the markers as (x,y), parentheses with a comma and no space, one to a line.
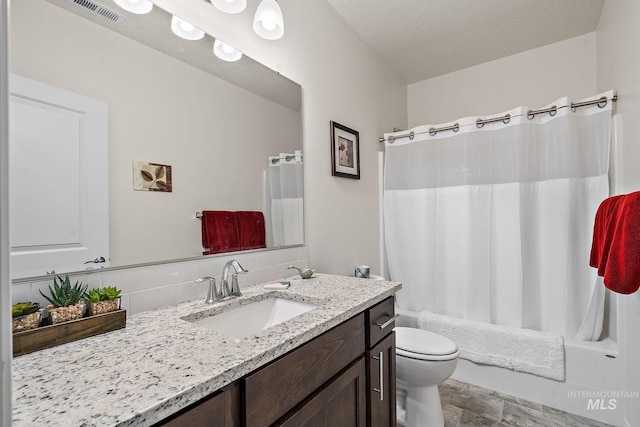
(235,287)
(213,295)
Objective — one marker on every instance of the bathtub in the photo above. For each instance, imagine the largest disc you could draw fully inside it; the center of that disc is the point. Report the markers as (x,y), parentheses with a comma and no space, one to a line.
(591,389)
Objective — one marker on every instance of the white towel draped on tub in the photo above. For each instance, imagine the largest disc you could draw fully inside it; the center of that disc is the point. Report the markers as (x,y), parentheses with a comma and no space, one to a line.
(521,350)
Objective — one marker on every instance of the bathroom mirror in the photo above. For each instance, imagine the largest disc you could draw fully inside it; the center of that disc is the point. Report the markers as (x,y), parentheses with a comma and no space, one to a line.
(171,102)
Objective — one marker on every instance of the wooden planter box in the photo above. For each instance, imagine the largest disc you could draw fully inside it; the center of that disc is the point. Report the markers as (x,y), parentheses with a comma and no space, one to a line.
(62,333)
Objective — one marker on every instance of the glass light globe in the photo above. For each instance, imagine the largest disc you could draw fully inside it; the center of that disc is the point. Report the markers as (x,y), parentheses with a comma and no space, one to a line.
(226,52)
(139,7)
(268,22)
(186,30)
(230,6)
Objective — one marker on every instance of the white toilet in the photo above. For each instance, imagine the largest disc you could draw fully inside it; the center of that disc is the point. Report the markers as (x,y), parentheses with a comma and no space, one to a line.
(423,360)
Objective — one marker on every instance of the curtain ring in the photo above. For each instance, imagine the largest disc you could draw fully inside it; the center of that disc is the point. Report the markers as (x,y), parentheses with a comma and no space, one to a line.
(603,102)
(456,127)
(479,123)
(552,112)
(432,131)
(506,119)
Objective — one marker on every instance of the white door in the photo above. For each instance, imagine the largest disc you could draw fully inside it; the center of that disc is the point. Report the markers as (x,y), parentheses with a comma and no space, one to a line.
(58,179)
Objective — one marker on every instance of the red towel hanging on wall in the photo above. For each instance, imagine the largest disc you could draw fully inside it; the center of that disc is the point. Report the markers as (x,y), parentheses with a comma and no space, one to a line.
(615,250)
(220,232)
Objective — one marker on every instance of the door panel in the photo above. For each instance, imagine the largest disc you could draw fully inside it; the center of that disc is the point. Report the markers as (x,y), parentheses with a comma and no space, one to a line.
(58,178)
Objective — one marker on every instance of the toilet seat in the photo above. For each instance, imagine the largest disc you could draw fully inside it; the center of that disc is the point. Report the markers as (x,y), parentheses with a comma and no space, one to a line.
(426,357)
(424,345)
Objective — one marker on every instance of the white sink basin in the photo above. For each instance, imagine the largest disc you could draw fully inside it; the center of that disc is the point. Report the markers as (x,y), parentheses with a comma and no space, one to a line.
(252,318)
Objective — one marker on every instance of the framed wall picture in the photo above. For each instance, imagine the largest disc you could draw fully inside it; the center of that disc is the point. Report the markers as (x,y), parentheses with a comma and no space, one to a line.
(152,177)
(345,151)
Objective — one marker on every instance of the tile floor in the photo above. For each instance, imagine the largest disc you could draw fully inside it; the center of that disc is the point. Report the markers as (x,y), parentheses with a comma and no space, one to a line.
(467,405)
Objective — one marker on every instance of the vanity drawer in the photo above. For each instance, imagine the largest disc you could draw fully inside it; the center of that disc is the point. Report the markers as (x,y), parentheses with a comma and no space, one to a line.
(278,387)
(380,321)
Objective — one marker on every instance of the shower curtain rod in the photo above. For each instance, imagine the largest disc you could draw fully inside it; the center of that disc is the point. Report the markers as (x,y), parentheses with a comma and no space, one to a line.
(600,102)
(287,159)
(277,159)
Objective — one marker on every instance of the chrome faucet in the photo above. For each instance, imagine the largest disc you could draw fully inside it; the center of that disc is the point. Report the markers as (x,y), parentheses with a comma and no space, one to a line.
(213,295)
(224,282)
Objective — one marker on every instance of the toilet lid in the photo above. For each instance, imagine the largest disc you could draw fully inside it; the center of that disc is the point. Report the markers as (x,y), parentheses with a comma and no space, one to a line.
(423,342)
(429,357)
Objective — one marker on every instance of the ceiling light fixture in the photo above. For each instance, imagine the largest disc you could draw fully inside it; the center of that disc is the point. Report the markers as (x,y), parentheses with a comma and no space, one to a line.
(226,52)
(268,22)
(230,6)
(186,30)
(139,7)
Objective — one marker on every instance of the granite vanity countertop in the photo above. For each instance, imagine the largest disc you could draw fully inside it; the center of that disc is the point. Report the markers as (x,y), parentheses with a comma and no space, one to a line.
(161,363)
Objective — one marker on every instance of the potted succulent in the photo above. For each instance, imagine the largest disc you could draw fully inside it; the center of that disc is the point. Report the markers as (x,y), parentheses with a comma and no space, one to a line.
(25,316)
(66,300)
(102,300)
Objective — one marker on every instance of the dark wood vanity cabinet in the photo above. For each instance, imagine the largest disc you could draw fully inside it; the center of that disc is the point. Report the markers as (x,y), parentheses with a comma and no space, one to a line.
(345,377)
(221,409)
(341,402)
(381,390)
(381,365)
(362,394)
(277,392)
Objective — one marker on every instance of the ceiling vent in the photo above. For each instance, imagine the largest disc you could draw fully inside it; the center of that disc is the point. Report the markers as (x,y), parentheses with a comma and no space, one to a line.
(99,9)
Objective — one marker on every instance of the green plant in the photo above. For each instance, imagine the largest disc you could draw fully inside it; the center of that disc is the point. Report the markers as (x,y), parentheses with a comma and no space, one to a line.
(110,293)
(63,294)
(93,295)
(23,308)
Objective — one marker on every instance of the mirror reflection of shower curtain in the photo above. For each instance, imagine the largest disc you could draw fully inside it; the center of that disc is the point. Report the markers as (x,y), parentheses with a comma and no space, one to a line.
(494,224)
(286,186)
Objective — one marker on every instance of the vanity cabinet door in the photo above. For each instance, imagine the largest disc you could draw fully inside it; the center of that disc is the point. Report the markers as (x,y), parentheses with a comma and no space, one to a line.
(274,390)
(381,391)
(221,409)
(381,364)
(341,402)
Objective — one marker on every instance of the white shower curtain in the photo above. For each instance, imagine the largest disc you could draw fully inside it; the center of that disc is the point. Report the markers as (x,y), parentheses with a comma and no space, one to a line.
(494,224)
(286,187)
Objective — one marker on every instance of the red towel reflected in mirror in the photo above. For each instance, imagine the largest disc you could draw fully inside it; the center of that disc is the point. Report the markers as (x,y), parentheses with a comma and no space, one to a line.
(229,231)
(251,230)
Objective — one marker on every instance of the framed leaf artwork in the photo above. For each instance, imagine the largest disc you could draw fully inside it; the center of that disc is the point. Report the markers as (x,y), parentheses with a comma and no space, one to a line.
(151,177)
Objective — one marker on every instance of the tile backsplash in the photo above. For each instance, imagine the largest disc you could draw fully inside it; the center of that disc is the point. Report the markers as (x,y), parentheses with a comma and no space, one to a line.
(154,286)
